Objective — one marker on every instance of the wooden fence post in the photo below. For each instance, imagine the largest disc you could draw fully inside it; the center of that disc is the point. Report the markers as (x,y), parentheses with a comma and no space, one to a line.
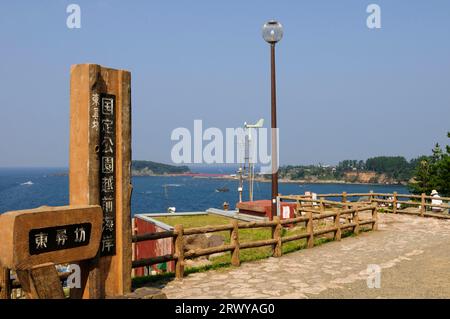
(337,224)
(371,197)
(394,203)
(5,283)
(310,229)
(298,208)
(179,252)
(422,205)
(375,217)
(276,234)
(322,208)
(356,221)
(234,240)
(344,198)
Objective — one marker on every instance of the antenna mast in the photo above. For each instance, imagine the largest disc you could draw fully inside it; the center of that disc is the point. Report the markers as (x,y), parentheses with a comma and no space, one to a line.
(248,158)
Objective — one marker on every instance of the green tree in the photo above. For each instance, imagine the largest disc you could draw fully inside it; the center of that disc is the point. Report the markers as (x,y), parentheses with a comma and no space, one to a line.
(422,176)
(448,146)
(442,171)
(433,172)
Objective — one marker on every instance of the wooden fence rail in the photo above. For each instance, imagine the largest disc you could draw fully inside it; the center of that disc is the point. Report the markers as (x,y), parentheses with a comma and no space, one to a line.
(275,242)
(152,236)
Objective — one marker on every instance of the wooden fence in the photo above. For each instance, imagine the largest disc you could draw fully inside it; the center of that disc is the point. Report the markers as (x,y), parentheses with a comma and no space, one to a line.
(306,215)
(308,210)
(389,203)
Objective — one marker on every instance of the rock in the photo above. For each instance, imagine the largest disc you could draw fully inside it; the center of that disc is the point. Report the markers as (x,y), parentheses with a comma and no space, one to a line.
(202,241)
(147,293)
(197,262)
(215,240)
(193,242)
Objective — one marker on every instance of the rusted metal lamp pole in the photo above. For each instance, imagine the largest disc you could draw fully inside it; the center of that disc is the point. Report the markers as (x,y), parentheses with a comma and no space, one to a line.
(272,33)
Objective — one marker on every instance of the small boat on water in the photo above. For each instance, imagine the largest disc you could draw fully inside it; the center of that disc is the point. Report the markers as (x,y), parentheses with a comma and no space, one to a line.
(222,189)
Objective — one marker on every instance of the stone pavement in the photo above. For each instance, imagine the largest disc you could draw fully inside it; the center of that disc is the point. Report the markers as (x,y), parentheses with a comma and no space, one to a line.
(413,253)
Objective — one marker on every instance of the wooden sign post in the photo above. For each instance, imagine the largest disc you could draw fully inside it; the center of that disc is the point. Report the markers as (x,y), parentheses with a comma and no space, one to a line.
(100,171)
(34,241)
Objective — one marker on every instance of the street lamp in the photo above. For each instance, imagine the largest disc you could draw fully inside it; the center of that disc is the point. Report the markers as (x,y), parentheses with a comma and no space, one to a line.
(272,33)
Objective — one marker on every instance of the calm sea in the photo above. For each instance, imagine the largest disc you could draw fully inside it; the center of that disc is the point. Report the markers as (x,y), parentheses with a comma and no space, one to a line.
(30,188)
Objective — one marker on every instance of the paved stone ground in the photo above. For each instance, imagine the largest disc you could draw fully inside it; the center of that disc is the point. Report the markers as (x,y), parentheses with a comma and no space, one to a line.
(413,253)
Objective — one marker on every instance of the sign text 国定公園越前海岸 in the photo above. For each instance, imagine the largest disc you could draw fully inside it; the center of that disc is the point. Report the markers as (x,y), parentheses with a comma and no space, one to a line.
(103,119)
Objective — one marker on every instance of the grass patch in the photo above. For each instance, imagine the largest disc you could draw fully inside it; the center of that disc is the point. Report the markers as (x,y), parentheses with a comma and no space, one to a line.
(195,221)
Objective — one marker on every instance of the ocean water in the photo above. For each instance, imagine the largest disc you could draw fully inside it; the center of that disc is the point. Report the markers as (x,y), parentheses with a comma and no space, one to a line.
(34,187)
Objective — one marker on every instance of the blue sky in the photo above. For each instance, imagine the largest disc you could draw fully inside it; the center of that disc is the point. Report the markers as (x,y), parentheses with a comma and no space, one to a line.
(344,91)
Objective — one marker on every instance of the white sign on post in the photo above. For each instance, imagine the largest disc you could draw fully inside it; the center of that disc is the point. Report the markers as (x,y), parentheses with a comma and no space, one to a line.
(286,212)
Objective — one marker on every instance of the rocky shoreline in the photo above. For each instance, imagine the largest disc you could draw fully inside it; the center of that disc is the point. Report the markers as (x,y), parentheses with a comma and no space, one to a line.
(281,180)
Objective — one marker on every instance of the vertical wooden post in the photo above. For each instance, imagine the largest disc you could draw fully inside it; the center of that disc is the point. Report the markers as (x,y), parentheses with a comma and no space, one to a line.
(310,229)
(356,221)
(337,224)
(107,275)
(423,208)
(371,197)
(298,208)
(344,198)
(179,251)
(394,203)
(375,218)
(311,203)
(234,240)
(322,207)
(5,283)
(276,234)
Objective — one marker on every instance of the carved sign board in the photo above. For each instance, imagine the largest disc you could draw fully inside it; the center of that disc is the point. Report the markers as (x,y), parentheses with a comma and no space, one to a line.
(66,234)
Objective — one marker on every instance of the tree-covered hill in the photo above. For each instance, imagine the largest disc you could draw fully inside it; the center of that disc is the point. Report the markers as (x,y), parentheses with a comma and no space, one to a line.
(143,168)
(380,169)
